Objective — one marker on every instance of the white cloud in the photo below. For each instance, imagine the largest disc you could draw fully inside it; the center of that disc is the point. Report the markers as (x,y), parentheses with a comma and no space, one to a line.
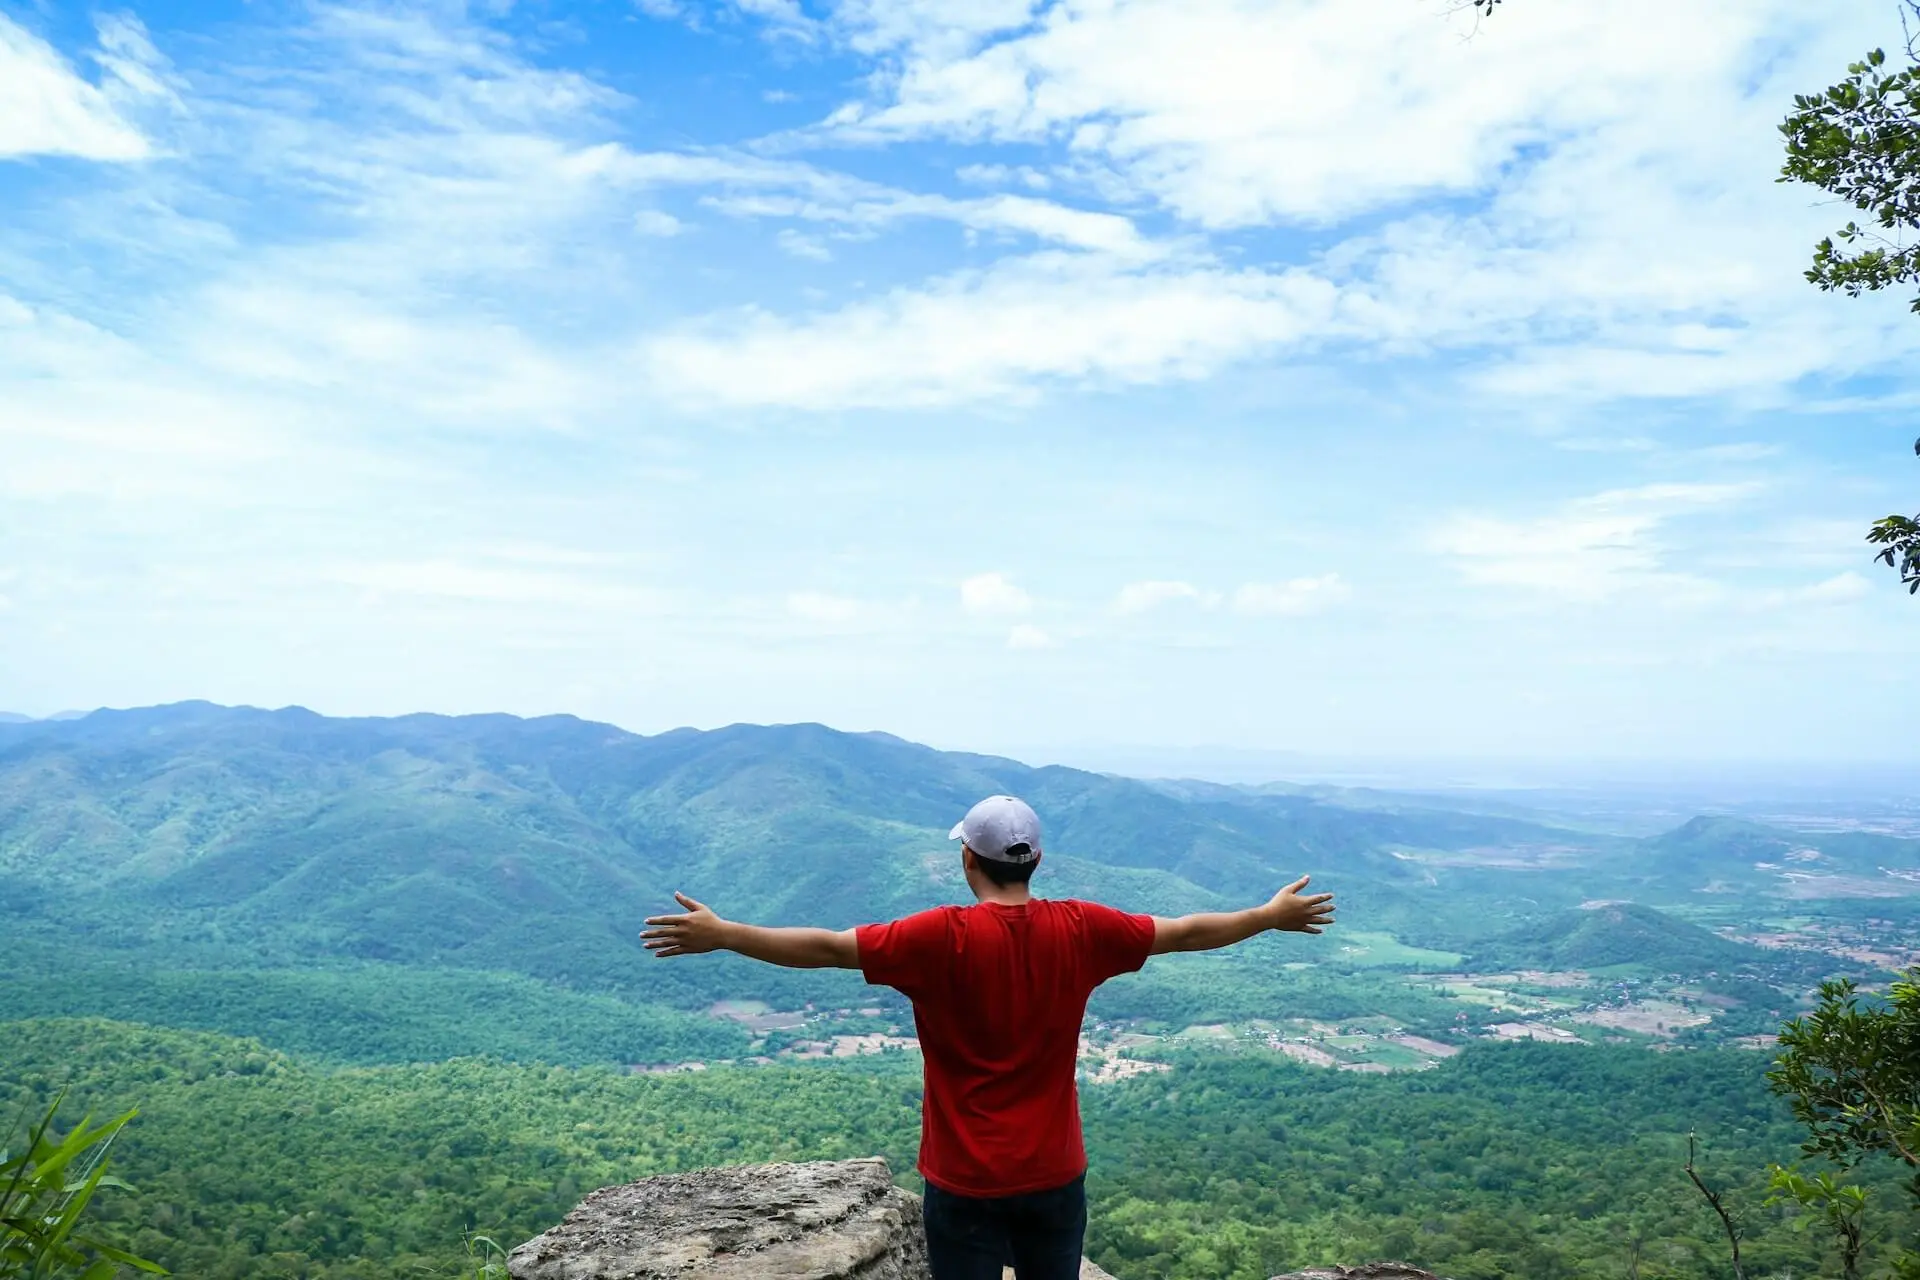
(654,222)
(1002,175)
(752,186)
(1591,549)
(47,109)
(786,17)
(1236,112)
(1295,597)
(1049,318)
(799,245)
(1579,142)
(993,594)
(1142,597)
(1027,636)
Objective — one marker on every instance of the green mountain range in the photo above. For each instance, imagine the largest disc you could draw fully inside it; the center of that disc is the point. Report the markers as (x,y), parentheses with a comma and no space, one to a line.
(430,838)
(226,866)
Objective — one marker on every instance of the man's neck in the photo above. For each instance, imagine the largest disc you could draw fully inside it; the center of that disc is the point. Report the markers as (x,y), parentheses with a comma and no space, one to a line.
(1012,895)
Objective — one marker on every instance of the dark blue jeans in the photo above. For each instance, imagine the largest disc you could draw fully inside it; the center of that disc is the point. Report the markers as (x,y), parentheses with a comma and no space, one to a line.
(1039,1234)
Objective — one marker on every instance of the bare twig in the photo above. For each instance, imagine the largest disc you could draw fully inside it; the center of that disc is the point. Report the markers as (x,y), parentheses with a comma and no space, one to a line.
(1714,1199)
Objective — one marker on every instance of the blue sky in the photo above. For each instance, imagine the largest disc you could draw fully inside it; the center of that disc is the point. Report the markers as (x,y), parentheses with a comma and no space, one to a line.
(1047,377)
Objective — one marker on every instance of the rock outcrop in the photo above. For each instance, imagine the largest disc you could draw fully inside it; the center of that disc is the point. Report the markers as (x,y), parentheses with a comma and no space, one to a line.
(825,1220)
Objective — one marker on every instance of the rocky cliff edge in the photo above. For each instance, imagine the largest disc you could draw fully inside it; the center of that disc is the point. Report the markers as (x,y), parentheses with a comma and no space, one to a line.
(823,1220)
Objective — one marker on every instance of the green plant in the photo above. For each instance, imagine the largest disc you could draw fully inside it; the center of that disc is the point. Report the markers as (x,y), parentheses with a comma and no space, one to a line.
(1839,1206)
(1850,1069)
(485,1259)
(45,1188)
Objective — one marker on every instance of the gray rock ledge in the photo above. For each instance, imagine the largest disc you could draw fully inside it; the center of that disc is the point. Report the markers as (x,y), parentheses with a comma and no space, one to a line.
(824,1220)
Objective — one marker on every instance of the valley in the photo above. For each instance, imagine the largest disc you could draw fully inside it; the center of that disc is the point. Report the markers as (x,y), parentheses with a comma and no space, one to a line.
(341,931)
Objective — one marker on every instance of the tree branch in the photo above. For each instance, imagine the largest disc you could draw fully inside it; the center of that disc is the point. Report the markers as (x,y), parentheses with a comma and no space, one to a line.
(1726,1219)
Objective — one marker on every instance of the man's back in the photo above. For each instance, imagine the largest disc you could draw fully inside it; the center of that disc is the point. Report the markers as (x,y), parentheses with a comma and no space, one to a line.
(999,993)
(998,990)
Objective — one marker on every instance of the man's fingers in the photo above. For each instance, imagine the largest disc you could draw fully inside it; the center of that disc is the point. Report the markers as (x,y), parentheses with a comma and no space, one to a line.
(664,952)
(687,902)
(1297,885)
(1319,898)
(1308,929)
(668,920)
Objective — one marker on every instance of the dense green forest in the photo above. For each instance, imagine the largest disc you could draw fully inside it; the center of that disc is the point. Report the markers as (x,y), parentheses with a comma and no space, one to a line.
(364,1012)
(1510,1160)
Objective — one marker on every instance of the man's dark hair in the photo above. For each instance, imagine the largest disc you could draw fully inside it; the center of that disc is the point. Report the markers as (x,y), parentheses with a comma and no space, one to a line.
(1006,873)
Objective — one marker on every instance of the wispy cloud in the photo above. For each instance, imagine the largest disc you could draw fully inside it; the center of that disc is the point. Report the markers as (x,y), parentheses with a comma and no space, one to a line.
(750,186)
(1026,323)
(1592,548)
(1144,597)
(1028,636)
(1294,597)
(46,108)
(993,595)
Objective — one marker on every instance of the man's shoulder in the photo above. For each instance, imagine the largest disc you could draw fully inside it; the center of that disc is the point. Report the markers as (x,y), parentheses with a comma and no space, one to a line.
(1080,906)
(940,915)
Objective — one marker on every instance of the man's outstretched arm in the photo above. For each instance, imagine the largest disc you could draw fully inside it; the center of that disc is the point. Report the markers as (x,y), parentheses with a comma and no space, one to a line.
(700,930)
(1288,911)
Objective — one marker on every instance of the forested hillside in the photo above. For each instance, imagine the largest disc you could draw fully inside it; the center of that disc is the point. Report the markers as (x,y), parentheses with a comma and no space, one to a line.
(1512,1160)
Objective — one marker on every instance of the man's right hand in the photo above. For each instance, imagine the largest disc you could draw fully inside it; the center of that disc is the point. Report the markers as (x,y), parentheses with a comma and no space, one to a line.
(1294,913)
(697,932)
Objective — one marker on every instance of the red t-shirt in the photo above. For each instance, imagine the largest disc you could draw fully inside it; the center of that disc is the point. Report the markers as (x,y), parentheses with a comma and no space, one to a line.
(998,995)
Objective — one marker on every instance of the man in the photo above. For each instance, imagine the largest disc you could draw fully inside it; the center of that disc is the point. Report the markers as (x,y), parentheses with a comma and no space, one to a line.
(999,991)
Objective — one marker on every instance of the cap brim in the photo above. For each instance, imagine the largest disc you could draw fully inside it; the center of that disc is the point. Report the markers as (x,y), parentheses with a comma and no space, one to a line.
(957,832)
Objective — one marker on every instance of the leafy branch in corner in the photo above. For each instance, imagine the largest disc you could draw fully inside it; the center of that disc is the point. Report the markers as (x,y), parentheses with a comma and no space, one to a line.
(1859,140)
(1899,536)
(1850,1069)
(1851,1072)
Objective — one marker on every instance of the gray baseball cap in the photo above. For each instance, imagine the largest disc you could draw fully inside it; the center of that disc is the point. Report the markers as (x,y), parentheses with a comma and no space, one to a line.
(998,824)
